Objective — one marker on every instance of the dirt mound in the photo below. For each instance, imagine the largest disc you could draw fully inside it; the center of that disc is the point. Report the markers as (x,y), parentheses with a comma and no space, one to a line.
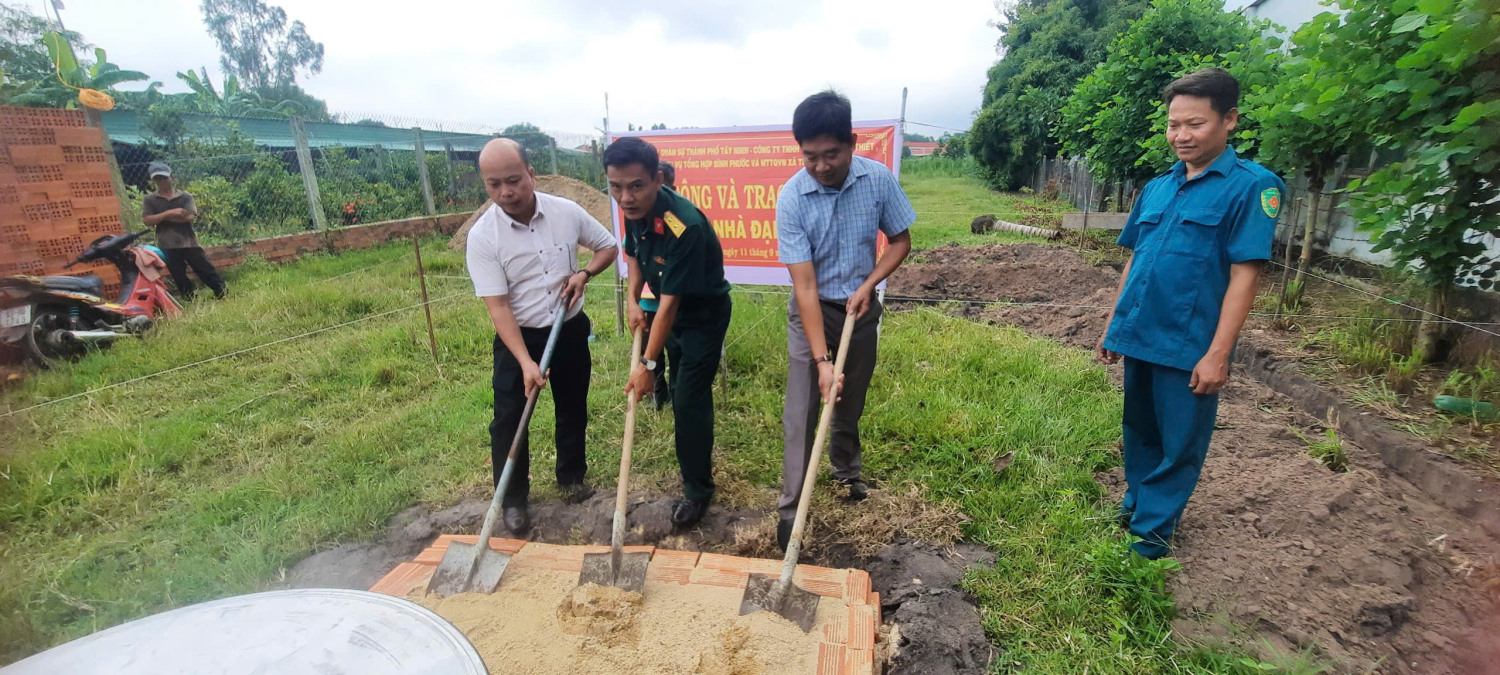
(604,615)
(587,196)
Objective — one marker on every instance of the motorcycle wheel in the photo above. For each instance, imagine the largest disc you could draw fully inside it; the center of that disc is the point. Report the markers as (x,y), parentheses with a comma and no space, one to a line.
(41,351)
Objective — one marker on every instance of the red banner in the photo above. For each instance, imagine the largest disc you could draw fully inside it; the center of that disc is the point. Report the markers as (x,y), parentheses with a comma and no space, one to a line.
(735,176)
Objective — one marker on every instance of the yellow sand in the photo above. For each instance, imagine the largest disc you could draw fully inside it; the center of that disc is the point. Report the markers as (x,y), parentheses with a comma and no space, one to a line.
(540,622)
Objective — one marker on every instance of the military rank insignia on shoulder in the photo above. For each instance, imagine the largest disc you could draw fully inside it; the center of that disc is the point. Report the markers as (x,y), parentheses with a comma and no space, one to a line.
(675,224)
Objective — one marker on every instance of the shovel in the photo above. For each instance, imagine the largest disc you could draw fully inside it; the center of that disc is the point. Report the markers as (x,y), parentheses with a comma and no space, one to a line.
(477,567)
(618,568)
(764,592)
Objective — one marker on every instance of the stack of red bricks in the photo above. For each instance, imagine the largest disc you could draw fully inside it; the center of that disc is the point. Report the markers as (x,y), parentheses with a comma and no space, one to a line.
(56,193)
(846,646)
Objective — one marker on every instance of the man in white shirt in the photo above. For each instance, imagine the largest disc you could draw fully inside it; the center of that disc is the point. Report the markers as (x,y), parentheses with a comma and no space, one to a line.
(522,257)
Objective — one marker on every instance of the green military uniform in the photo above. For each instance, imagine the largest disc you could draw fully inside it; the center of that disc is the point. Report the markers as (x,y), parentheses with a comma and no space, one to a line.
(679,254)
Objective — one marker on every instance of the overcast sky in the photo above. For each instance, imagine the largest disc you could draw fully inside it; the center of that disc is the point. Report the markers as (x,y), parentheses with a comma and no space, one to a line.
(681,62)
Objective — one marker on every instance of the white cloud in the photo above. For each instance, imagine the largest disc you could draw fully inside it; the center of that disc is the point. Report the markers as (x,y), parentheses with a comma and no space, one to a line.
(696,63)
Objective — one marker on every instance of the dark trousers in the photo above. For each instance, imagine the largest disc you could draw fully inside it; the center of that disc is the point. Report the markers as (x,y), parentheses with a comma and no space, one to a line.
(698,334)
(179,259)
(803,398)
(569,383)
(1167,429)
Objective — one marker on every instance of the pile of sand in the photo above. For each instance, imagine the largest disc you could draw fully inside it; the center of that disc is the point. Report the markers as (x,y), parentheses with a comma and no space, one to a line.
(587,196)
(540,621)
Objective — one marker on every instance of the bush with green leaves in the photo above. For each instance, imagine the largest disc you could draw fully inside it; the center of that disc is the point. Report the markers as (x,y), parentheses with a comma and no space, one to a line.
(1114,113)
(1423,78)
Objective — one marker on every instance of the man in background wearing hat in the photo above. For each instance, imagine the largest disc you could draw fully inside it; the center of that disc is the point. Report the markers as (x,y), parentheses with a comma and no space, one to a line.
(172,212)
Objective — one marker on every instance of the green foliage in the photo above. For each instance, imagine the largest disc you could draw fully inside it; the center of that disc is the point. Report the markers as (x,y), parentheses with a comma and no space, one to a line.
(535,140)
(59,88)
(258,45)
(1048,45)
(1113,114)
(1422,75)
(1329,450)
(954,146)
(918,138)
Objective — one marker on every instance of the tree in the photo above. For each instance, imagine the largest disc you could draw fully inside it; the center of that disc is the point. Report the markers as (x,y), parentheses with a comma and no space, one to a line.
(954,145)
(258,45)
(1047,47)
(918,138)
(1113,113)
(23,55)
(71,79)
(658,125)
(528,135)
(1421,76)
(1304,131)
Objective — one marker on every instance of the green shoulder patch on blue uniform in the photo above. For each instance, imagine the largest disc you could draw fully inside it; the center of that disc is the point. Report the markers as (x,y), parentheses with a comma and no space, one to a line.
(1270,201)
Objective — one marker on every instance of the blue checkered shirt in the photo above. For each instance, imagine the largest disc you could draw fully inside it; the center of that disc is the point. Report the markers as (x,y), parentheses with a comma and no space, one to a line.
(835,229)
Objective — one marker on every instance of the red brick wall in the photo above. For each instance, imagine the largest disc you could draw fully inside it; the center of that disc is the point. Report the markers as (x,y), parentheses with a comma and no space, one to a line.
(56,193)
(290,247)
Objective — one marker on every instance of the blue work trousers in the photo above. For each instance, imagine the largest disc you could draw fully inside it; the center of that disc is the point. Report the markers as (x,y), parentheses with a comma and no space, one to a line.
(1167,430)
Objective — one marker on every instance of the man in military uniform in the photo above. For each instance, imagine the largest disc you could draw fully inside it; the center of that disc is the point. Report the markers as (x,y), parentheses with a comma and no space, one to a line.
(671,247)
(1198,234)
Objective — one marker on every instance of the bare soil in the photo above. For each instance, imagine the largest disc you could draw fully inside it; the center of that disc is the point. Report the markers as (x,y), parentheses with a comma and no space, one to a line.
(1278,552)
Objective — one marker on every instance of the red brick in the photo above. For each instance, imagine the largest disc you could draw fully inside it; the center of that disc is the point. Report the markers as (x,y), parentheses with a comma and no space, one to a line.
(669,575)
(401,581)
(861,627)
(860,661)
(737,564)
(36,154)
(830,658)
(78,136)
(666,557)
(712,577)
(837,631)
(858,587)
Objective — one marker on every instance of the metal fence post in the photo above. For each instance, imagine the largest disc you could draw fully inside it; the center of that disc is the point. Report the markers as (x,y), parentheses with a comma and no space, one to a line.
(421,151)
(452,177)
(309,174)
(553,148)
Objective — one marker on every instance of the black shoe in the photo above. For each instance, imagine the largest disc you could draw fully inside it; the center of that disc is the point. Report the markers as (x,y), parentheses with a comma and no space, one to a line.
(857,487)
(517,520)
(784,533)
(576,493)
(688,512)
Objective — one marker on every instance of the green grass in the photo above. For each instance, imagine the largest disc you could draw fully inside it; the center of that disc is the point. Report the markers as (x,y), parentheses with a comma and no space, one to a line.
(212,480)
(947,197)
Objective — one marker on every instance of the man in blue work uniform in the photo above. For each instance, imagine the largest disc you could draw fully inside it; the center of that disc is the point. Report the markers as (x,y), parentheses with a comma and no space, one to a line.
(1199,234)
(670,246)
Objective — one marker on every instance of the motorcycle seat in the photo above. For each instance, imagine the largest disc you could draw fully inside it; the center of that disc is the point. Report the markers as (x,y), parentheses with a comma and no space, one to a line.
(88,283)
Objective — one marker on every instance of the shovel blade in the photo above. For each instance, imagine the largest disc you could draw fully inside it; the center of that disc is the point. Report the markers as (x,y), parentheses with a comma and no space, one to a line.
(797,605)
(631,575)
(452,575)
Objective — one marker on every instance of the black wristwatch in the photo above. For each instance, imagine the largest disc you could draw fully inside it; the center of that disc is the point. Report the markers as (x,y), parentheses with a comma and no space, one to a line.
(586,272)
(650,364)
(826,358)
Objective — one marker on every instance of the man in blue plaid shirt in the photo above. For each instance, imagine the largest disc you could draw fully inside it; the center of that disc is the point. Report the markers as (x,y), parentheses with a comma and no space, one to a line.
(827,220)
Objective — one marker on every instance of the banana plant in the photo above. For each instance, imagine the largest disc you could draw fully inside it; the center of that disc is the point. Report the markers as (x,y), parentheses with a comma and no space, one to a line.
(234,101)
(71,76)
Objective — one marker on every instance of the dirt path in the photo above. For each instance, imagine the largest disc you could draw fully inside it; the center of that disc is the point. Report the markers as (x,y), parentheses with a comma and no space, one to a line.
(1274,545)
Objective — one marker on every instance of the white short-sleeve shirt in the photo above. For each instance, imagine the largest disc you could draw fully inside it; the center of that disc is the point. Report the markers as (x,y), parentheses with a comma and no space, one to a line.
(530,261)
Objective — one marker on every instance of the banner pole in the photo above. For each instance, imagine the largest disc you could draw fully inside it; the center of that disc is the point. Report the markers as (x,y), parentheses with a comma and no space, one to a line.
(619,266)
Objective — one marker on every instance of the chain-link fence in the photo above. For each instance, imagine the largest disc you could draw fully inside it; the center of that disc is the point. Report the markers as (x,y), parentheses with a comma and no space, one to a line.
(252,177)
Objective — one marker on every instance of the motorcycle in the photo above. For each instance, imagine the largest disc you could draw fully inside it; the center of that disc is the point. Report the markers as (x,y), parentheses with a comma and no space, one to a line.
(57,318)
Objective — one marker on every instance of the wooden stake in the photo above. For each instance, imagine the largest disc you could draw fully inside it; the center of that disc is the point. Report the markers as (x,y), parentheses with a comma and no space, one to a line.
(431,337)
